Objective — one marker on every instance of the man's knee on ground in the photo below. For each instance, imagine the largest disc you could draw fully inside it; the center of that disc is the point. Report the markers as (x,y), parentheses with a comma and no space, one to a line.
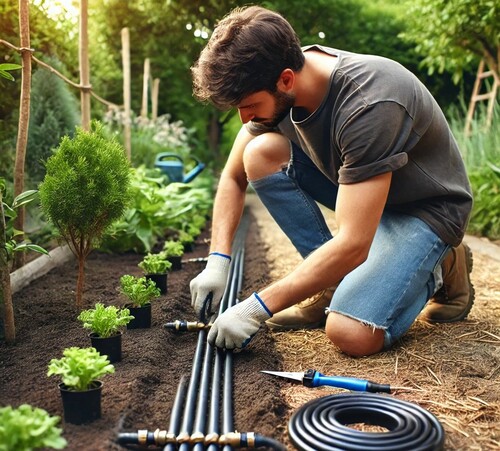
(353,337)
(266,154)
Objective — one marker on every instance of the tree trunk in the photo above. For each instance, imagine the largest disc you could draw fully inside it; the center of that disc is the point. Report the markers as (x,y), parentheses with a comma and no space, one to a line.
(80,282)
(24,120)
(84,65)
(6,308)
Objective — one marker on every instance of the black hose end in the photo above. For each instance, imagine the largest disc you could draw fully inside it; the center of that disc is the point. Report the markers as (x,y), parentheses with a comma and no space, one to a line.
(270,443)
(128,438)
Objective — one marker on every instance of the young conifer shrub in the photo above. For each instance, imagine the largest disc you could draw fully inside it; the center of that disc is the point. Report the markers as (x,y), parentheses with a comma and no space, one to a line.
(85,189)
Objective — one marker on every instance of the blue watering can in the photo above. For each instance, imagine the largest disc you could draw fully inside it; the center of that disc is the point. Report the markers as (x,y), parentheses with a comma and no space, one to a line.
(172,166)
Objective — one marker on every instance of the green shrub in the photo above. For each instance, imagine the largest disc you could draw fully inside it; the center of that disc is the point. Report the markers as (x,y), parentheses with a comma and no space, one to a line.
(80,367)
(105,321)
(27,428)
(85,189)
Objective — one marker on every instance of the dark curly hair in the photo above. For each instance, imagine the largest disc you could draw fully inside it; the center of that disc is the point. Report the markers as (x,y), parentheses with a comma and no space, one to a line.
(246,53)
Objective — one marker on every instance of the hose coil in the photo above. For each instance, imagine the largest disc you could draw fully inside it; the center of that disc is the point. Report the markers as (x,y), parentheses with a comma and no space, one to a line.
(321,424)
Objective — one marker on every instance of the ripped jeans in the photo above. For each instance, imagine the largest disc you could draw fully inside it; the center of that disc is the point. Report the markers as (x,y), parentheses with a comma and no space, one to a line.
(403,268)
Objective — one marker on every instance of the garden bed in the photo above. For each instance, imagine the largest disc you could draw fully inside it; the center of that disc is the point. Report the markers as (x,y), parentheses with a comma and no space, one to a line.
(454,368)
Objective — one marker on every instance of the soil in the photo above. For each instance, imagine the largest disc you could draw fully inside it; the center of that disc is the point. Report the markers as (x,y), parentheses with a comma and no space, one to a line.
(454,369)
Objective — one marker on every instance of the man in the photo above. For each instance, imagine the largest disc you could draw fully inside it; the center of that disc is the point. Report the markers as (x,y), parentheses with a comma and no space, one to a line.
(362,136)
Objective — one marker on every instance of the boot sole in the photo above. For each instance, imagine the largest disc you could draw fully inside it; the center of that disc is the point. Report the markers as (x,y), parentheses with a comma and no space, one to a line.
(469,261)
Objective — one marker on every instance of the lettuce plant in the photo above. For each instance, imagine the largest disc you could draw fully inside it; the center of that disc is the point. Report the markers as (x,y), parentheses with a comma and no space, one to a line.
(80,367)
(173,248)
(155,264)
(27,428)
(139,290)
(105,321)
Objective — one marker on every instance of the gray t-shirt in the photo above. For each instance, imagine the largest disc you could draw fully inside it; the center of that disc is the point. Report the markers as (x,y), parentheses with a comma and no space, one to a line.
(378,117)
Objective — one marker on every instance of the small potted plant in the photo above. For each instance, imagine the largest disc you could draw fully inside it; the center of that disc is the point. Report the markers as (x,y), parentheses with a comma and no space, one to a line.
(156,268)
(140,291)
(80,370)
(187,240)
(105,323)
(174,250)
(27,428)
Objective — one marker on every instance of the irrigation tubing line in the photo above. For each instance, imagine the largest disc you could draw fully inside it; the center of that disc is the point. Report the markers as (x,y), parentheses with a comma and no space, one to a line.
(322,424)
(174,426)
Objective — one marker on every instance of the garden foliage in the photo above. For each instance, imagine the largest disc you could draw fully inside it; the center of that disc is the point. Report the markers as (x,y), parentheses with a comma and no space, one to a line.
(139,290)
(80,367)
(155,263)
(105,321)
(85,189)
(27,428)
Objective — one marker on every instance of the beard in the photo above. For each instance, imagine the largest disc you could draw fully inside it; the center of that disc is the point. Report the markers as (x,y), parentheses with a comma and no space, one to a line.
(283,104)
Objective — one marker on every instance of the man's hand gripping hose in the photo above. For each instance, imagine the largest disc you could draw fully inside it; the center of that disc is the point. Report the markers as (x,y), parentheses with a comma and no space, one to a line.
(237,325)
(207,288)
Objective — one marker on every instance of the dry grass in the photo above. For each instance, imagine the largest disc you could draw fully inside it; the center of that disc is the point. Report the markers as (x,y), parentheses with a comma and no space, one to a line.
(453,370)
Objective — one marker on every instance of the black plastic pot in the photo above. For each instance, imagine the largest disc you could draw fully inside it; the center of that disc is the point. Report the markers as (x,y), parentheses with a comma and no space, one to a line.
(160,281)
(142,317)
(176,262)
(81,407)
(110,346)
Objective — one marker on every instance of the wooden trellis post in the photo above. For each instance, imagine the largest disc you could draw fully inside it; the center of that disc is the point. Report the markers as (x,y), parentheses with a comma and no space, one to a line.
(154,98)
(126,91)
(145,88)
(490,96)
(84,65)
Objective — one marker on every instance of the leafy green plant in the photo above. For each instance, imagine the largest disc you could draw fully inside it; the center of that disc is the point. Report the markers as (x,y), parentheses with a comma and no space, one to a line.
(84,190)
(185,238)
(5,69)
(105,321)
(80,367)
(139,290)
(27,428)
(155,264)
(173,248)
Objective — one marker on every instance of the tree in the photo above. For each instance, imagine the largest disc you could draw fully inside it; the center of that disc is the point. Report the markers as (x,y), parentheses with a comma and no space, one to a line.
(452,34)
(85,189)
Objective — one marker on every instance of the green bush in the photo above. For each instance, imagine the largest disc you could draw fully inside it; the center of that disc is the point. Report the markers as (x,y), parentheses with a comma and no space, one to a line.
(85,189)
(27,428)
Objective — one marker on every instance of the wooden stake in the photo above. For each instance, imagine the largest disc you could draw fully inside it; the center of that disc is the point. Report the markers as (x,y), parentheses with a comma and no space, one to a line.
(126,91)
(154,98)
(84,66)
(145,90)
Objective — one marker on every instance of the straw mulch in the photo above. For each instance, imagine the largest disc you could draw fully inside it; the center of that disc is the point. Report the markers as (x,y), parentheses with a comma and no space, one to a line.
(452,370)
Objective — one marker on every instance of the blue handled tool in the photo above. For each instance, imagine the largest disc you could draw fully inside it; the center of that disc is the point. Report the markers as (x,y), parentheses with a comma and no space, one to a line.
(313,378)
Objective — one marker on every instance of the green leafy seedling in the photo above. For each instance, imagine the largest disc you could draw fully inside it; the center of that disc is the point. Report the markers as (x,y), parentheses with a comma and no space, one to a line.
(155,264)
(173,248)
(105,321)
(26,428)
(80,367)
(139,290)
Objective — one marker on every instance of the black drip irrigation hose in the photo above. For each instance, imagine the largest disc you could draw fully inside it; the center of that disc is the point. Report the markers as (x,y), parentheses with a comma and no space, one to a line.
(321,424)
(195,421)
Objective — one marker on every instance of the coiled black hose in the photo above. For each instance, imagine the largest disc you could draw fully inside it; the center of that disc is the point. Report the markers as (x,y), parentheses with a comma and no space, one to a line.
(321,424)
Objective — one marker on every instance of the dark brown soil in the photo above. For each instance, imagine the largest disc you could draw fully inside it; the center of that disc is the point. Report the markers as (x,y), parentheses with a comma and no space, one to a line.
(140,394)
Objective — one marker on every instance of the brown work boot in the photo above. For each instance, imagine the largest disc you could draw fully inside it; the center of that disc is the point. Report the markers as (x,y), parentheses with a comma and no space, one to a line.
(453,301)
(307,314)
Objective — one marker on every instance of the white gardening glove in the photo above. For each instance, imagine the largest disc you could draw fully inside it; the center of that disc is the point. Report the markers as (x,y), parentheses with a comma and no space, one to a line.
(237,325)
(212,280)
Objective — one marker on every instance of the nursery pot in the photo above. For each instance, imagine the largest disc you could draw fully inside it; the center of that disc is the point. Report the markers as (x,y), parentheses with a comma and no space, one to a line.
(176,262)
(160,281)
(142,317)
(81,407)
(110,346)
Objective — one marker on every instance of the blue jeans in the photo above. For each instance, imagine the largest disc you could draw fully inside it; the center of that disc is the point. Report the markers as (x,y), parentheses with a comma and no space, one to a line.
(403,268)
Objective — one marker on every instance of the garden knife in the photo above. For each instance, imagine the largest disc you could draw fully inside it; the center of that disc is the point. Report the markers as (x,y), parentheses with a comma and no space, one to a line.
(313,378)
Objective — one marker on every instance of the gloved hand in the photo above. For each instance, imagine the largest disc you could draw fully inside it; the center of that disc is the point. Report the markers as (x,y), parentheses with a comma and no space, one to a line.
(238,324)
(212,279)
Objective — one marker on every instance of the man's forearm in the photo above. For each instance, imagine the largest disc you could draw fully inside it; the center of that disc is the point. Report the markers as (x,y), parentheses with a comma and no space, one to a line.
(228,208)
